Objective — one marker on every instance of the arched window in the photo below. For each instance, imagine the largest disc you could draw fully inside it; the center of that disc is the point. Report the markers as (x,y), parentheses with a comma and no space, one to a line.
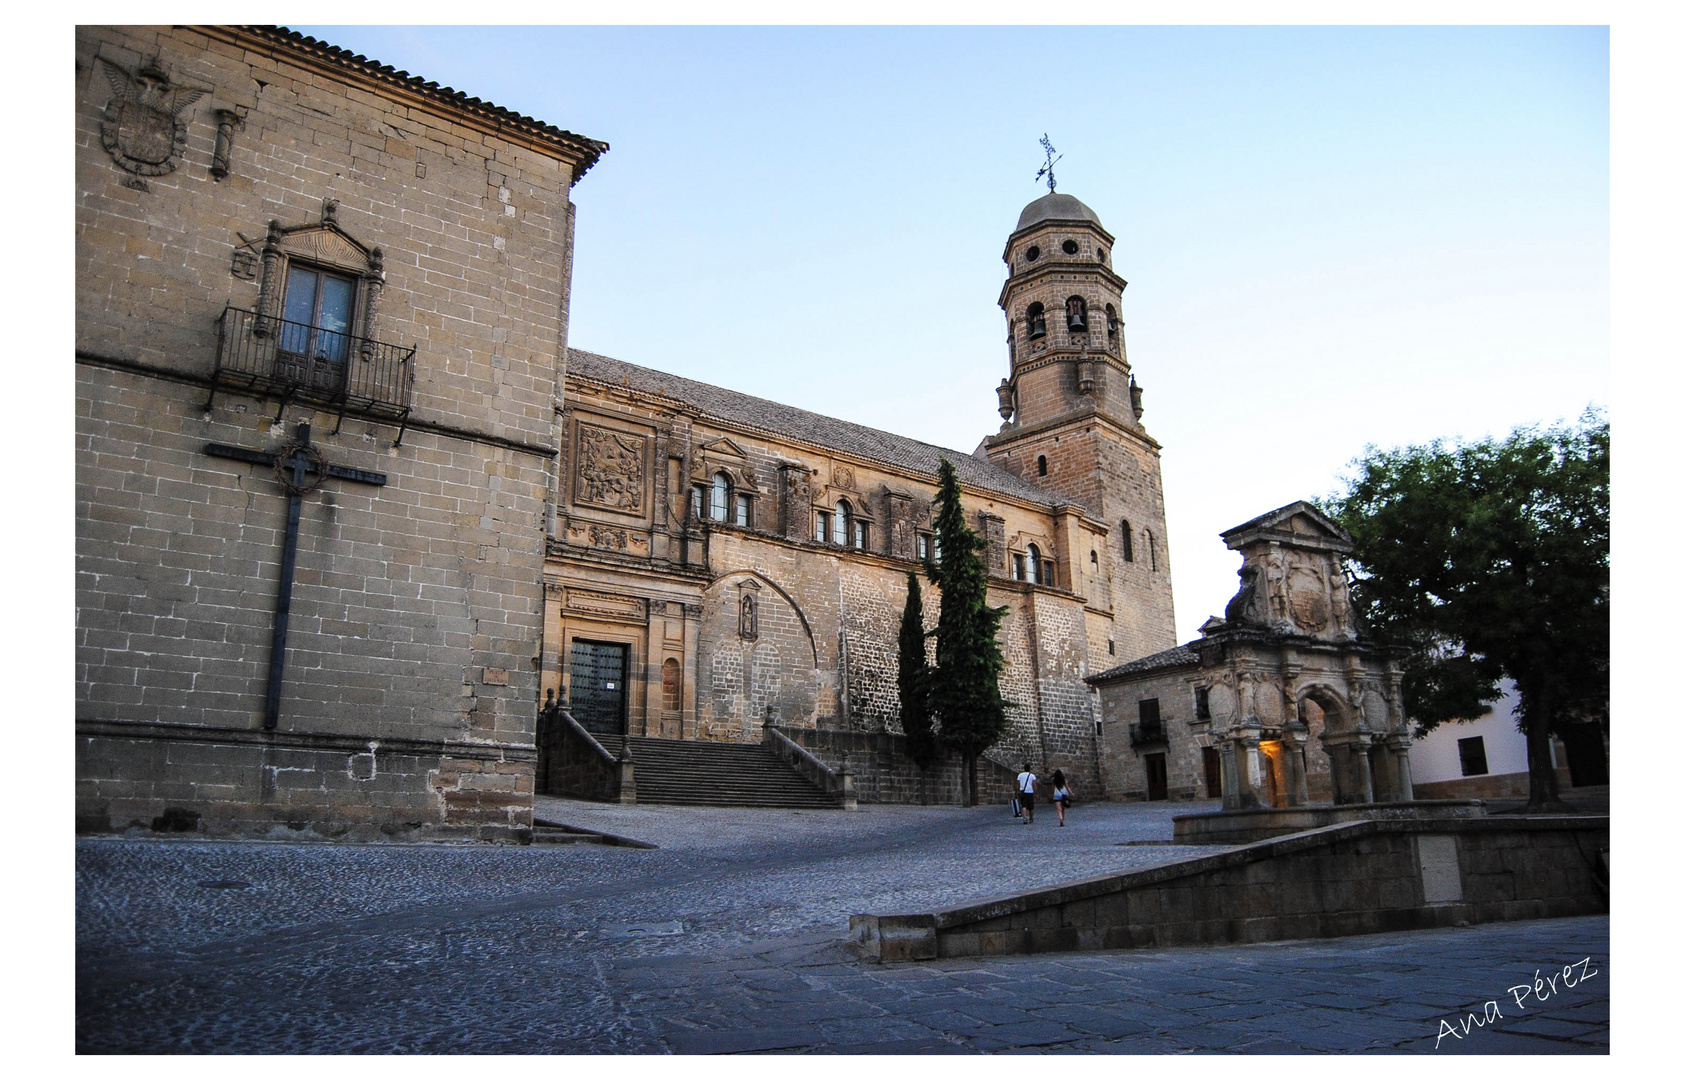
(1076,315)
(1033,557)
(1111,323)
(1035,319)
(719,496)
(842,524)
(1128,541)
(1041,464)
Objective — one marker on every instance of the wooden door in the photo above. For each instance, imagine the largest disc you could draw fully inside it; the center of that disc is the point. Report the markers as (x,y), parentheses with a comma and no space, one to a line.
(597,686)
(1158,781)
(1213,772)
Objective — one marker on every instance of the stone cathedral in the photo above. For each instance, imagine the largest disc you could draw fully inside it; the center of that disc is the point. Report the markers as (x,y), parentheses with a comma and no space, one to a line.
(351,511)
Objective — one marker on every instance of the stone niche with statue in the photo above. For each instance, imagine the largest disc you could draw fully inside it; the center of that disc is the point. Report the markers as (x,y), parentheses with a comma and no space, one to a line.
(1303,708)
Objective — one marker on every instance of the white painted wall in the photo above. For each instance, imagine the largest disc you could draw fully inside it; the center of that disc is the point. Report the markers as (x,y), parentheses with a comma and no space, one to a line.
(1435,757)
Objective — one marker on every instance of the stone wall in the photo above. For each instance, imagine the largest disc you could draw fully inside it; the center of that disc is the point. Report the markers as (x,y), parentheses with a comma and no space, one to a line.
(883,773)
(1125,769)
(1360,878)
(417,605)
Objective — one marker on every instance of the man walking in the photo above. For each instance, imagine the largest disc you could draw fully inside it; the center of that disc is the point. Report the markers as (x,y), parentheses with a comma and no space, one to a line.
(1027,794)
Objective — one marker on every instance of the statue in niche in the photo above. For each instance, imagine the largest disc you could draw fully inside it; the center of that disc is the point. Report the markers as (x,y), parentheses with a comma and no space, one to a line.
(748,618)
(143,129)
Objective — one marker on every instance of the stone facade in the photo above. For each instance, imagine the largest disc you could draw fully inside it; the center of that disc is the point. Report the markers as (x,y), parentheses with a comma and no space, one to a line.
(748,560)
(286,253)
(229,181)
(1280,703)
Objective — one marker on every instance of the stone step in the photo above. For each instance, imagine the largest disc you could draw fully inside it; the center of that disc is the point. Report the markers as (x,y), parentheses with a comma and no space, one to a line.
(694,772)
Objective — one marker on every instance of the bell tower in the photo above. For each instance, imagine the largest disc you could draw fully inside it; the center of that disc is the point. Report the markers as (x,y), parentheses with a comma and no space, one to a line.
(1071,408)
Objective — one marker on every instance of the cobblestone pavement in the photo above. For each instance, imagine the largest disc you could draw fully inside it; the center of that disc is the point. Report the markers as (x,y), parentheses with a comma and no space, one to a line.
(729,938)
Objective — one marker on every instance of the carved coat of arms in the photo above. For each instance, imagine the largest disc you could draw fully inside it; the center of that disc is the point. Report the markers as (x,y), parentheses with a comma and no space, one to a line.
(143,129)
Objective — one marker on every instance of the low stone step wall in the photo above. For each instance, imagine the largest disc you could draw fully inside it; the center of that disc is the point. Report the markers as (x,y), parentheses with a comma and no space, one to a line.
(1361,877)
(1249,826)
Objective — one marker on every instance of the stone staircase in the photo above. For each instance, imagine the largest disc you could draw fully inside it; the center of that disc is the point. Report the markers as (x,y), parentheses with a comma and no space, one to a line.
(694,772)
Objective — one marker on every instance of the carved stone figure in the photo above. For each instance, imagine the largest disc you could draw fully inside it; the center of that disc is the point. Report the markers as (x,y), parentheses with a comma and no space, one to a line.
(1244,604)
(143,129)
(748,625)
(611,469)
(1275,579)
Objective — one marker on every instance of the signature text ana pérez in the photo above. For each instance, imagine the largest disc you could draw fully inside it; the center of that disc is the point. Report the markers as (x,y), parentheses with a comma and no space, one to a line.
(1540,989)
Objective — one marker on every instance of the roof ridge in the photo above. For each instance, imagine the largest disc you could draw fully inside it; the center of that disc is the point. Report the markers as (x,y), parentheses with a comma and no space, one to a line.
(983,474)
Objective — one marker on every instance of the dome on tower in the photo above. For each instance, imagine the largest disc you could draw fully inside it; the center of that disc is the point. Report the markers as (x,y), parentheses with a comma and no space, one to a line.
(1056,206)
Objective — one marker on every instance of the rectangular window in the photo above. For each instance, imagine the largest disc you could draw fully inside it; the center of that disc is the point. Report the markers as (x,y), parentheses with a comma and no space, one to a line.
(1202,703)
(742,517)
(696,504)
(1473,754)
(1149,714)
(319,306)
(1017,568)
(860,535)
(822,525)
(924,547)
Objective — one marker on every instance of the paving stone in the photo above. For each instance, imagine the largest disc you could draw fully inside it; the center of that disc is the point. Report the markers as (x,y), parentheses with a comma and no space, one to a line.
(471,949)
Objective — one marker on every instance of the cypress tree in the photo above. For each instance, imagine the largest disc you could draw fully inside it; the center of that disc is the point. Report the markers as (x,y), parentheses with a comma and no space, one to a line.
(964,687)
(914,674)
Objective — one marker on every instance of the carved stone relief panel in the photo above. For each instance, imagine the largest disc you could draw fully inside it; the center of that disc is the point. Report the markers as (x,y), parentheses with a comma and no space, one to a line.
(609,469)
(608,538)
(795,519)
(605,605)
(144,130)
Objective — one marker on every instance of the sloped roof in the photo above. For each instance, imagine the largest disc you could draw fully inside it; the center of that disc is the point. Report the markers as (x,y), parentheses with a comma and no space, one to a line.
(1179,656)
(730,408)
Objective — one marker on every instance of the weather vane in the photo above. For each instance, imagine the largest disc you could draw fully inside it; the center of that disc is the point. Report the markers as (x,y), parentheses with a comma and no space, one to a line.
(1047,170)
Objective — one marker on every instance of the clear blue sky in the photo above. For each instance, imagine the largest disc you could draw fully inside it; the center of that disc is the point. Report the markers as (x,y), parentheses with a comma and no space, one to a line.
(1333,237)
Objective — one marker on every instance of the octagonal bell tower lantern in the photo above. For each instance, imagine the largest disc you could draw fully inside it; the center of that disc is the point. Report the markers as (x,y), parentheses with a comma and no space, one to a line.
(1071,408)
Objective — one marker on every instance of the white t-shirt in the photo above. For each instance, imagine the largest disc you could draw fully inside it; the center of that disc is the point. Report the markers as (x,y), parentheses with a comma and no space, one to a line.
(1027,783)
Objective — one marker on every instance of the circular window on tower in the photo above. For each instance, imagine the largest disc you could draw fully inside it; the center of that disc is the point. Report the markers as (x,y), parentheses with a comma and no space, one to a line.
(1070,247)
(1032,253)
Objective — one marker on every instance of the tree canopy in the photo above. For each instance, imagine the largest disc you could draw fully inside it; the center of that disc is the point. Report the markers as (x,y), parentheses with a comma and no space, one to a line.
(964,686)
(1489,560)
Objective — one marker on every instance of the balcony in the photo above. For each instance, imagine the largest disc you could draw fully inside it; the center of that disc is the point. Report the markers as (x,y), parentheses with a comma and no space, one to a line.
(298,362)
(1147,735)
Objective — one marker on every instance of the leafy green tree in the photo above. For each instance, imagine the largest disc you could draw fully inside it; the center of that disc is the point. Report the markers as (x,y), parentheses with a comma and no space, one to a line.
(914,678)
(964,686)
(1491,559)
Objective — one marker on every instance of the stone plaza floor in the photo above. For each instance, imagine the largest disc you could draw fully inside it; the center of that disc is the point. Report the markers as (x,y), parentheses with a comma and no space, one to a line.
(729,937)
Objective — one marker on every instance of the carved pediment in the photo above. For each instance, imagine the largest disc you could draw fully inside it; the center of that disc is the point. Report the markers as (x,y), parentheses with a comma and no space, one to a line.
(327,245)
(1297,524)
(723,447)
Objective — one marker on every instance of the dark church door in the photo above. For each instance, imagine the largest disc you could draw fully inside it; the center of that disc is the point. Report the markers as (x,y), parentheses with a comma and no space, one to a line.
(597,686)
(1158,785)
(1213,759)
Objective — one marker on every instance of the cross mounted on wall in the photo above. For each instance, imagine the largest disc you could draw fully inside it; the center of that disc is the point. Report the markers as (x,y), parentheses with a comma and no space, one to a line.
(299,469)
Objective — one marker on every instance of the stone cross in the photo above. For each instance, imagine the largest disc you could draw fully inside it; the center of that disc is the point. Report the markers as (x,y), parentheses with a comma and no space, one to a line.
(299,469)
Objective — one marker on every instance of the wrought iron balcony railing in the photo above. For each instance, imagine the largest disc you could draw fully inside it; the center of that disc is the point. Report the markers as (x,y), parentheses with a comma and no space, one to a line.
(299,362)
(1147,735)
